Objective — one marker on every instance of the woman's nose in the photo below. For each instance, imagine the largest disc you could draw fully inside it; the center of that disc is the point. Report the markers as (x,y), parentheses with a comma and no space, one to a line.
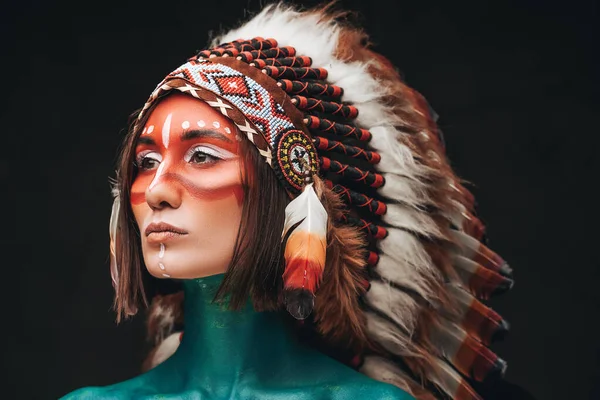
(163,191)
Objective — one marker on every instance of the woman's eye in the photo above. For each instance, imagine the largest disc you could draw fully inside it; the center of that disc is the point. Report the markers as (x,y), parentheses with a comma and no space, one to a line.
(200,157)
(149,161)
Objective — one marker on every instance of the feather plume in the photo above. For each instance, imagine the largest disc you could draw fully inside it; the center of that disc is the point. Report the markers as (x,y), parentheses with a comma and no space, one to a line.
(399,306)
(452,383)
(469,356)
(405,276)
(113,229)
(306,225)
(480,281)
(480,254)
(407,218)
(406,249)
(464,221)
(396,156)
(390,337)
(405,190)
(480,321)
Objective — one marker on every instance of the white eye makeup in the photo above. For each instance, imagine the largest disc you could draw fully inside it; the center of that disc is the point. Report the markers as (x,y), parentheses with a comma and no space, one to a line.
(148,160)
(206,154)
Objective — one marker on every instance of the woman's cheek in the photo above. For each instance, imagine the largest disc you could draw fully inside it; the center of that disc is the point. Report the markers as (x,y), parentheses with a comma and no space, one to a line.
(138,189)
(216,183)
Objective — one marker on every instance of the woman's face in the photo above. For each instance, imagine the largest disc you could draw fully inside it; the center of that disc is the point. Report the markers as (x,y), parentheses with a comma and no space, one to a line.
(187,196)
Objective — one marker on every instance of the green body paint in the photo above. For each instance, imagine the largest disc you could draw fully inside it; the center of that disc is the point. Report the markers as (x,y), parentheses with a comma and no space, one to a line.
(242,355)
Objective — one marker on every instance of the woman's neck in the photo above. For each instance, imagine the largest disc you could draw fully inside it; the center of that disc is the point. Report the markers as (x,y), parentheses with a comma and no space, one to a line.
(221,345)
(242,355)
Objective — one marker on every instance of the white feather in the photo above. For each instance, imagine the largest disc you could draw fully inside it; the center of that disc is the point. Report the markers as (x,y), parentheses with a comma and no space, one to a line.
(448,338)
(407,250)
(305,32)
(306,208)
(113,229)
(396,157)
(404,275)
(401,216)
(405,190)
(457,215)
(450,381)
(389,336)
(399,306)
(466,245)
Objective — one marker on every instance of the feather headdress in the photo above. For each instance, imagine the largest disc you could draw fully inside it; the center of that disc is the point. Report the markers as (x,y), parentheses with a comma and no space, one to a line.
(405,269)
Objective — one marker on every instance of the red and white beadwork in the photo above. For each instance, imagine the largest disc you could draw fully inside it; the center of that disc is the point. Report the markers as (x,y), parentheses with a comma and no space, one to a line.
(242,91)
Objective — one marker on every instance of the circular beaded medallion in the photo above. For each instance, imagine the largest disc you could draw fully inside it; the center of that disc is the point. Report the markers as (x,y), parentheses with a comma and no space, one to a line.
(294,150)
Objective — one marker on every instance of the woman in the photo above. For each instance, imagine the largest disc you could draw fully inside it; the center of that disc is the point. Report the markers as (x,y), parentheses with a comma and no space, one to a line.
(289,168)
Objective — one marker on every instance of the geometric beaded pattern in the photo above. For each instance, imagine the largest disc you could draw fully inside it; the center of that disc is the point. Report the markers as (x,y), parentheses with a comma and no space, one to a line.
(245,93)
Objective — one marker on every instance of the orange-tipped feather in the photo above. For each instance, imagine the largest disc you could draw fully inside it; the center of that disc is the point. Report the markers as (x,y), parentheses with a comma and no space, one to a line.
(305,260)
(304,251)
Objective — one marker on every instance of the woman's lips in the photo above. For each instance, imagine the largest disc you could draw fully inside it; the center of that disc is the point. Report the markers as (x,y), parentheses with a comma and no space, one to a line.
(161,232)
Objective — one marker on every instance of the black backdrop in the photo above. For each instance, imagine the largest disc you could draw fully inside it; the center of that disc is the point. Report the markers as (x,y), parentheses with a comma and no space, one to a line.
(514,82)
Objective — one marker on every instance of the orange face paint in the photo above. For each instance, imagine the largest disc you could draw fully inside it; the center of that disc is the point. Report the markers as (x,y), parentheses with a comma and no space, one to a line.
(187,195)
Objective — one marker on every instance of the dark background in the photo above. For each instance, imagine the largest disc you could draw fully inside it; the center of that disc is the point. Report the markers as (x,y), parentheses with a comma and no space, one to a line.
(515,83)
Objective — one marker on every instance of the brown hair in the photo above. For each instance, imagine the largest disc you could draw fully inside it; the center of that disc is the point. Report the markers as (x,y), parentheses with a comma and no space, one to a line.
(255,269)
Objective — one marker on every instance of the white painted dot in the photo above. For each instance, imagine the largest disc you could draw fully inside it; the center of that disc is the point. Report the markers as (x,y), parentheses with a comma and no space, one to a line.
(144,131)
(201,124)
(185,124)
(227,130)
(161,253)
(161,266)
(166,275)
(150,129)
(216,124)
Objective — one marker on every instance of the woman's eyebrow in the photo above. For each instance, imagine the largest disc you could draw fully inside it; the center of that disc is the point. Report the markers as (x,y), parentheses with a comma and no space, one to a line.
(146,140)
(196,133)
